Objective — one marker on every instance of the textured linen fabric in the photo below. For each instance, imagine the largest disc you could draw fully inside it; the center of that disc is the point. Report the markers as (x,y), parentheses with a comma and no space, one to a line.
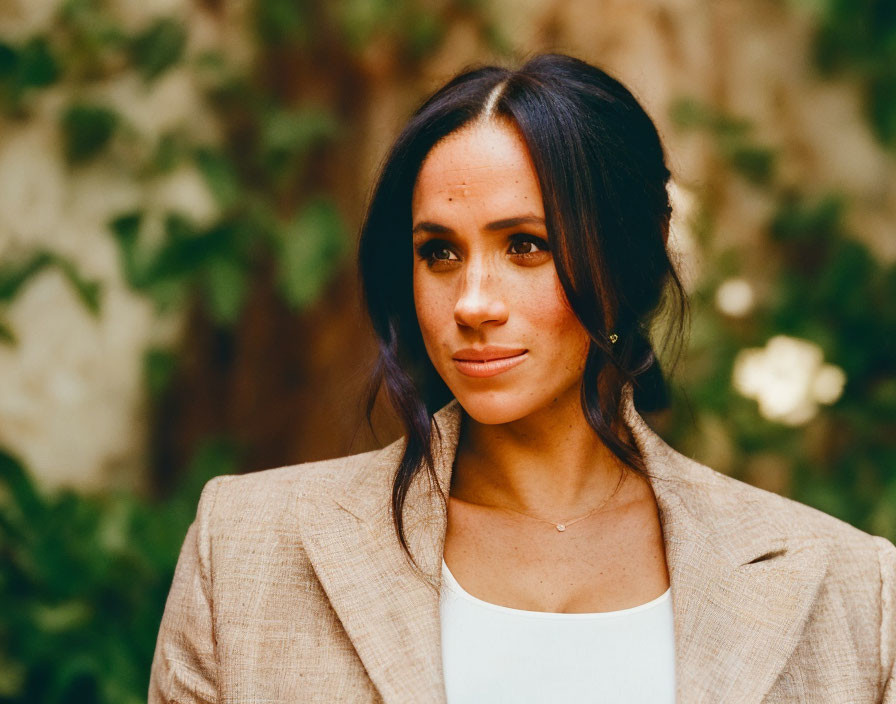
(291,587)
(493,654)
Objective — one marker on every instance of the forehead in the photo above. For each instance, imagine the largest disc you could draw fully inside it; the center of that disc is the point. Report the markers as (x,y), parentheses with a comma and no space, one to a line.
(484,166)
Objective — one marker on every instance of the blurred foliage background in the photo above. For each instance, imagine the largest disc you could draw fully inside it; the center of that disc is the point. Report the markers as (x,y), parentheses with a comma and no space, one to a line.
(181,182)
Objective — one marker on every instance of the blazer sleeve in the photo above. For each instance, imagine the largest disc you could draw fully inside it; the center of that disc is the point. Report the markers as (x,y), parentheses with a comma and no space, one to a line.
(184,666)
(887,556)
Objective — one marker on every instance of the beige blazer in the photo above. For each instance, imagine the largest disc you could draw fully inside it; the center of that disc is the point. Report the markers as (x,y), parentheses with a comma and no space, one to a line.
(291,587)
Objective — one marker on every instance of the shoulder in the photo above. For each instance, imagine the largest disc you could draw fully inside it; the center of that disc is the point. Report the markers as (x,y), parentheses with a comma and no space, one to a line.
(274,496)
(742,517)
(780,513)
(745,514)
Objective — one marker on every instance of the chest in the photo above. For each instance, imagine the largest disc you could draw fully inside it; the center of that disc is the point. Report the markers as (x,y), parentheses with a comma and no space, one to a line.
(490,653)
(607,562)
(344,619)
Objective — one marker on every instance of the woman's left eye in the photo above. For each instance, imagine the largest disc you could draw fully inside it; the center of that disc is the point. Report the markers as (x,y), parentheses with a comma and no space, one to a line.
(523,245)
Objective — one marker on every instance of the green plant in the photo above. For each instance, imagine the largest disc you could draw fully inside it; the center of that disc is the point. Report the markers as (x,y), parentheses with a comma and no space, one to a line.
(84,581)
(84,577)
(824,287)
(15,273)
(856,39)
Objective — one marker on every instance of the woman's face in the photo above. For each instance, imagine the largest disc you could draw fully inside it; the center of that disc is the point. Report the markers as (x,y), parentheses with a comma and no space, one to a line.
(485,286)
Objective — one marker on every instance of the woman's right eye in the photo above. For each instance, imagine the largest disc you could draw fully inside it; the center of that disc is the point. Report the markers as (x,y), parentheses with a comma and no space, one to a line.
(436,251)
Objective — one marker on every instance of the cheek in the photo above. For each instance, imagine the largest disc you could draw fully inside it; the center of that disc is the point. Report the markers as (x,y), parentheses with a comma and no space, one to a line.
(557,327)
(432,308)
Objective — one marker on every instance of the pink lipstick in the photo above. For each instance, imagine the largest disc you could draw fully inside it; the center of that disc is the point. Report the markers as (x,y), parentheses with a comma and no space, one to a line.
(488,361)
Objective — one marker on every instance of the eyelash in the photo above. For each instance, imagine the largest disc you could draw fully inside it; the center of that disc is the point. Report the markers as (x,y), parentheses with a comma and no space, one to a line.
(430,247)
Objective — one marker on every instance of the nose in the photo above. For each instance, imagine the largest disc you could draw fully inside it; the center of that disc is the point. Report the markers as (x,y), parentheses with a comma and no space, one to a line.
(480,300)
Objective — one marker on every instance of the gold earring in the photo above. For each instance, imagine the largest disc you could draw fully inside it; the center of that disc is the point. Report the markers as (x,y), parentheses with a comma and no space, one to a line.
(613,337)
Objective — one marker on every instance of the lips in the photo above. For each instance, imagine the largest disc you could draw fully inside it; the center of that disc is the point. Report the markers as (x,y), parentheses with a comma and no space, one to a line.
(487,353)
(488,361)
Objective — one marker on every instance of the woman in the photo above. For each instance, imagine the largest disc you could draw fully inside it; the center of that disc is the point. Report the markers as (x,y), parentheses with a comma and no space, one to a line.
(529,539)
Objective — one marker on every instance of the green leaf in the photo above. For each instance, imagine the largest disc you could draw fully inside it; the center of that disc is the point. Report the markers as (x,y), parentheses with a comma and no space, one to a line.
(7,336)
(309,250)
(9,60)
(363,19)
(425,31)
(66,616)
(220,175)
(14,274)
(30,66)
(282,21)
(225,288)
(857,40)
(800,221)
(756,164)
(159,366)
(12,679)
(168,295)
(187,256)
(496,37)
(882,105)
(288,134)
(88,290)
(84,581)
(127,226)
(20,498)
(688,113)
(186,249)
(171,149)
(126,231)
(86,130)
(37,65)
(159,47)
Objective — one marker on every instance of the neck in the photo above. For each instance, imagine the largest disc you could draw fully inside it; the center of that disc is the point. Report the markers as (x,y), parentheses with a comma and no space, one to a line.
(550,463)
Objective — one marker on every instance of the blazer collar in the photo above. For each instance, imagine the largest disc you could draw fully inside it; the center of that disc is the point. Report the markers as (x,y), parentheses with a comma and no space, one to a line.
(740,594)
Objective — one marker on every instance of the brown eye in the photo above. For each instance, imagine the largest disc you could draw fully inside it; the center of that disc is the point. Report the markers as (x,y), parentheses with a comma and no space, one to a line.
(441,254)
(528,246)
(436,251)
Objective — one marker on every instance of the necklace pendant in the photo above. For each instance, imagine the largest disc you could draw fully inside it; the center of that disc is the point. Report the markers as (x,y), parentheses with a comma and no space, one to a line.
(561,527)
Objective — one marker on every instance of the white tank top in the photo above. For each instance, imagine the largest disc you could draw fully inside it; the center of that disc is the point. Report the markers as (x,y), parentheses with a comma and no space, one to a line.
(493,654)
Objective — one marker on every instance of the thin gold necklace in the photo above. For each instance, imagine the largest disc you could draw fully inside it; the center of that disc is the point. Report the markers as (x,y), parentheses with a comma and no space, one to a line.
(565,524)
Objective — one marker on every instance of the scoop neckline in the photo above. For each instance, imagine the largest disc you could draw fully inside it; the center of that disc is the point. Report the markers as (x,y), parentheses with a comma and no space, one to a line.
(453,585)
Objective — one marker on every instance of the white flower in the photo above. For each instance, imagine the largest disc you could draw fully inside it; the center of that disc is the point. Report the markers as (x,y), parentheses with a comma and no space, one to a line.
(829,383)
(788,379)
(735,297)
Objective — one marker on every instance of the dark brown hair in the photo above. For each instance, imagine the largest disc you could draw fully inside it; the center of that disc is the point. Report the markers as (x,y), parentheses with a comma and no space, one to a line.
(603,178)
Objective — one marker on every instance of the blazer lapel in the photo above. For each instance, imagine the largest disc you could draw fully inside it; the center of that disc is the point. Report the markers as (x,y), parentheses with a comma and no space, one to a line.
(735,624)
(389,611)
(740,595)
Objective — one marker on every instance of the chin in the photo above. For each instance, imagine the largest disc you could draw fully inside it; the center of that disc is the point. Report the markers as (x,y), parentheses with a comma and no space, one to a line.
(494,407)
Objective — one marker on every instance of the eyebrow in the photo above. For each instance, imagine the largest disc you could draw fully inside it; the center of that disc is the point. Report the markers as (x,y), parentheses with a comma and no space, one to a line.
(504,224)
